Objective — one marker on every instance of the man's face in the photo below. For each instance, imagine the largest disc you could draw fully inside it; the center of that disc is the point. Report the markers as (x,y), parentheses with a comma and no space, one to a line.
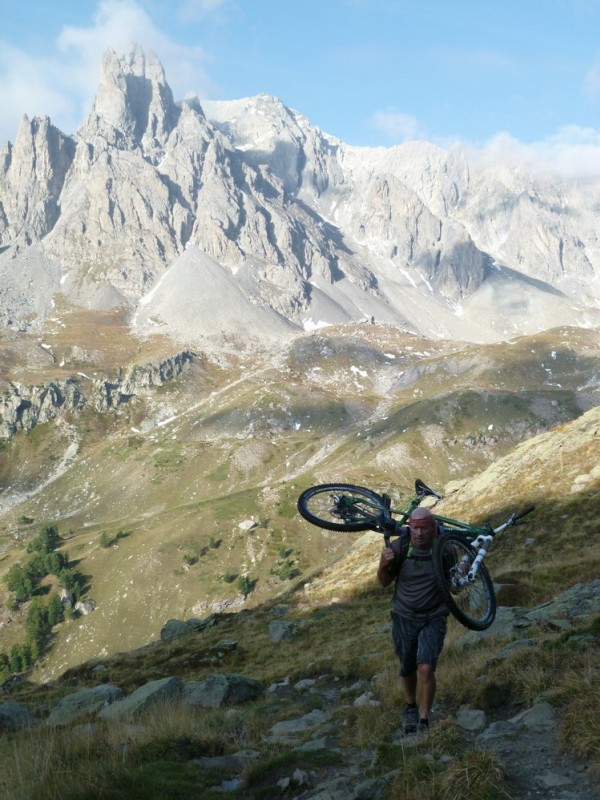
(422,533)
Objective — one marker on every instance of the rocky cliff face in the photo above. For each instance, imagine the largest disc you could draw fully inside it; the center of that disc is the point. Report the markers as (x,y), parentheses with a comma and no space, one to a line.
(32,176)
(22,407)
(307,228)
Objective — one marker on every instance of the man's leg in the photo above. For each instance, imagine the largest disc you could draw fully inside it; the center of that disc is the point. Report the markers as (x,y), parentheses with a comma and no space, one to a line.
(410,715)
(405,635)
(409,684)
(426,689)
(431,642)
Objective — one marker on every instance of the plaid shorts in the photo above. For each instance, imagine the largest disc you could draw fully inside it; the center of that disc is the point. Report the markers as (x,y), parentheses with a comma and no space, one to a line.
(417,641)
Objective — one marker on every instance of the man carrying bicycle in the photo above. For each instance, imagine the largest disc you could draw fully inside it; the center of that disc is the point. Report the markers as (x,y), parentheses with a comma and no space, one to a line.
(419,614)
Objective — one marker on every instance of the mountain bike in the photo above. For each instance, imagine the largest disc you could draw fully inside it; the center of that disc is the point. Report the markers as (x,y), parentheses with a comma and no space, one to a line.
(457,554)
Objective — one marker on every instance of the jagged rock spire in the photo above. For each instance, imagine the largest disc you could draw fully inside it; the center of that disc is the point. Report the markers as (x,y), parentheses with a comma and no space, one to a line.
(134,104)
(32,174)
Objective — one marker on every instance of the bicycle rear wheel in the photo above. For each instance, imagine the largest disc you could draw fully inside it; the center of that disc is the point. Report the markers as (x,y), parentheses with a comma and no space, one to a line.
(473,605)
(341,507)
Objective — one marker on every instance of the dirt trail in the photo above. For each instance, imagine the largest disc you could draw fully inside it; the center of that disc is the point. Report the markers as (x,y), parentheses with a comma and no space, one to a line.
(527,746)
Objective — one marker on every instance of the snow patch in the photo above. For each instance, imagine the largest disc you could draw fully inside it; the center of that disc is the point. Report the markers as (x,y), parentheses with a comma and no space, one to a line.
(310,325)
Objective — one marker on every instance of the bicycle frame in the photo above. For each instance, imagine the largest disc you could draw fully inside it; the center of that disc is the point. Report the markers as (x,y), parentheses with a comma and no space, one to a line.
(482,544)
(457,556)
(480,537)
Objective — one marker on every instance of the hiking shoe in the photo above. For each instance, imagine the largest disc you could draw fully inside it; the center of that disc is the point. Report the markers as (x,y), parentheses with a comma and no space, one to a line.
(410,719)
(423,726)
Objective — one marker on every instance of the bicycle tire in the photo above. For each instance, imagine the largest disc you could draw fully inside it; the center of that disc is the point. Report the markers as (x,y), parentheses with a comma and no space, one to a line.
(474,605)
(337,507)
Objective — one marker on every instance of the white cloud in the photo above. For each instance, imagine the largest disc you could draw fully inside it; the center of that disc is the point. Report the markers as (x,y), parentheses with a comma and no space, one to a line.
(62,84)
(396,127)
(33,86)
(571,152)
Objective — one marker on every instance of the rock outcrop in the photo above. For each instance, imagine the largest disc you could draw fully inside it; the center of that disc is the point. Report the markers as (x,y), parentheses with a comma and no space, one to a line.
(32,177)
(23,407)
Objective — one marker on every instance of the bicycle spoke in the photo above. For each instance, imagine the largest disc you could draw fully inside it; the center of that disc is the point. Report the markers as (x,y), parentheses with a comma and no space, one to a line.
(341,507)
(474,603)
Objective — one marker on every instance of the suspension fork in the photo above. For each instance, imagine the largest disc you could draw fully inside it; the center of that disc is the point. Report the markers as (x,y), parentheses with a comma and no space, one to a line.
(482,543)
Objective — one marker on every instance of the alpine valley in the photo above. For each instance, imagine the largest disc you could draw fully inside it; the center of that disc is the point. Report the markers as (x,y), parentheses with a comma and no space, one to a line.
(206,307)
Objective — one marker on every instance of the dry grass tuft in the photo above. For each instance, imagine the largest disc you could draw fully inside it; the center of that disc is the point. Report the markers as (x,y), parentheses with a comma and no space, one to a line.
(477,776)
(579,731)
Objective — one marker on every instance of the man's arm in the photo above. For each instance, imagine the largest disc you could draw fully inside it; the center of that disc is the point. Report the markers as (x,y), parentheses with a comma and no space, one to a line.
(385,574)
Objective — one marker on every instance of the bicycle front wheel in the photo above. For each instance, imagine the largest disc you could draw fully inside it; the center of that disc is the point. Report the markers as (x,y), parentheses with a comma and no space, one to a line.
(473,605)
(341,507)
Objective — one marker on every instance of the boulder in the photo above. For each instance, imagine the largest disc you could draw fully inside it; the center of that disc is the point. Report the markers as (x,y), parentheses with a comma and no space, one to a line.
(221,689)
(292,729)
(470,719)
(143,699)
(83,703)
(13,717)
(66,598)
(175,629)
(281,629)
(85,607)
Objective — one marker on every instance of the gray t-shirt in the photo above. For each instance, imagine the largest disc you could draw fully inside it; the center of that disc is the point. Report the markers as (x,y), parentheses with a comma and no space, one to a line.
(416,593)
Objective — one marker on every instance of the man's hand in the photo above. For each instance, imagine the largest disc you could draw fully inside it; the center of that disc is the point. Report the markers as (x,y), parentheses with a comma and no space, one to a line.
(385,562)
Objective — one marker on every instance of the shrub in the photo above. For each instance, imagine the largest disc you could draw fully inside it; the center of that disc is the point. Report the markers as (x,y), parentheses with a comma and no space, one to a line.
(36,622)
(47,541)
(106,540)
(56,611)
(287,571)
(19,581)
(16,658)
(245,585)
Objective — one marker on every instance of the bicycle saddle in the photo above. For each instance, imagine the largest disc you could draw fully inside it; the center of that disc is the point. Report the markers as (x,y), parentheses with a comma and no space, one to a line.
(423,490)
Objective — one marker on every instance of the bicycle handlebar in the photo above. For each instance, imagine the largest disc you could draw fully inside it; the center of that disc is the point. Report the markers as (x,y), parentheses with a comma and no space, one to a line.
(512,520)
(525,511)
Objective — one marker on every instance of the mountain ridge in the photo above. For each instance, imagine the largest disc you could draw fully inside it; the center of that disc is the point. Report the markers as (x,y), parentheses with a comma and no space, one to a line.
(310,228)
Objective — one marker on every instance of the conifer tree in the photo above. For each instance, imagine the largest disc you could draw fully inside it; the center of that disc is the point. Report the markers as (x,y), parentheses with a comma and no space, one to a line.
(16,658)
(56,612)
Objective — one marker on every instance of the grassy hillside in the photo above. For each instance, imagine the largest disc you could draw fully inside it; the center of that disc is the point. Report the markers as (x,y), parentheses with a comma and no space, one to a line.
(231,443)
(342,640)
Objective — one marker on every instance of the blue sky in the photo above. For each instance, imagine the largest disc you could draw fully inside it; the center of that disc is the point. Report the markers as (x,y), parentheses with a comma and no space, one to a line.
(501,76)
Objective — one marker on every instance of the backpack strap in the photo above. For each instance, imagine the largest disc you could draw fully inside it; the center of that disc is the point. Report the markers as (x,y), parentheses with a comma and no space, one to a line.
(410,554)
(404,539)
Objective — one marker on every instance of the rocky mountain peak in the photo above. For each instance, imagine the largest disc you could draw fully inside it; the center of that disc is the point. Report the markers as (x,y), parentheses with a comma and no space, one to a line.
(32,175)
(134,104)
(298,223)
